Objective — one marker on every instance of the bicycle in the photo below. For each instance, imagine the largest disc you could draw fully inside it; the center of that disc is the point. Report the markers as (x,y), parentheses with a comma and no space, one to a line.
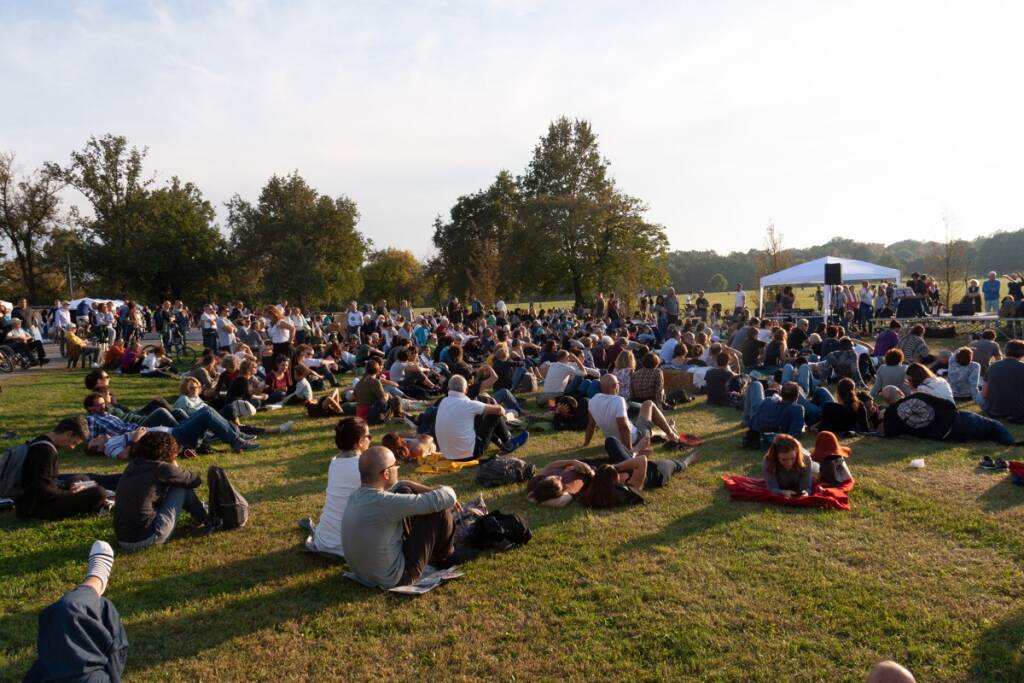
(179,350)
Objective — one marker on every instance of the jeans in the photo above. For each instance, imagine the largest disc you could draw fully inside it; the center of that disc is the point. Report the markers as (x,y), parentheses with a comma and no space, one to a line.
(812,406)
(80,632)
(489,428)
(505,398)
(790,419)
(517,377)
(992,306)
(161,417)
(189,432)
(426,539)
(166,519)
(973,427)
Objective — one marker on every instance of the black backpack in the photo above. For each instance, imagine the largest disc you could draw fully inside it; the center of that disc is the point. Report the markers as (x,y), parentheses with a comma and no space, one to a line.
(12,462)
(226,503)
(499,531)
(504,470)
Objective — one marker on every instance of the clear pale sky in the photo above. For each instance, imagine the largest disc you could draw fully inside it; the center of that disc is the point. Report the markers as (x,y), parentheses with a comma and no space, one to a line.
(862,119)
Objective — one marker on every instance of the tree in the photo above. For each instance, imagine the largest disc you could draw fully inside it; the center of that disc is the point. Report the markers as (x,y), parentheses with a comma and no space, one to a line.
(950,263)
(588,234)
(29,216)
(476,245)
(187,252)
(717,283)
(773,257)
(394,275)
(110,175)
(298,244)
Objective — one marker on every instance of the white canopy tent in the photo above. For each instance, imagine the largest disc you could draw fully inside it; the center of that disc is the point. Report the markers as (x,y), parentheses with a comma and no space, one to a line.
(90,301)
(813,273)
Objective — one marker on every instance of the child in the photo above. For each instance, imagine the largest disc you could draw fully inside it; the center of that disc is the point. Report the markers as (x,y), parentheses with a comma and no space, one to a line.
(157,364)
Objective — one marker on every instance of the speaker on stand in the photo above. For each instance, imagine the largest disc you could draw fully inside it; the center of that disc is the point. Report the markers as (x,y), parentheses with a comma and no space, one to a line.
(833,276)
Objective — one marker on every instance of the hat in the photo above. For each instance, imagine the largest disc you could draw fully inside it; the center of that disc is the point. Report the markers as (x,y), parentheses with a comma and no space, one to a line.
(827,445)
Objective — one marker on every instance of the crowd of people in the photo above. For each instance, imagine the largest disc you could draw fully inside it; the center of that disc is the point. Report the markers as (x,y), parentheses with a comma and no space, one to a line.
(465,384)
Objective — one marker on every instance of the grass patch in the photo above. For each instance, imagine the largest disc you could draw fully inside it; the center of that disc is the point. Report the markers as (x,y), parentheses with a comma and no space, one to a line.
(926,569)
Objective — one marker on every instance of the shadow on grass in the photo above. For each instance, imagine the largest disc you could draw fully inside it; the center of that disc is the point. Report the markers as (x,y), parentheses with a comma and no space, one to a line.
(999,654)
(1002,496)
(722,511)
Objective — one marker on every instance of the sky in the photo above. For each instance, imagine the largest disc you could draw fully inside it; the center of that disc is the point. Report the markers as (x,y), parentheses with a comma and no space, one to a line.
(865,120)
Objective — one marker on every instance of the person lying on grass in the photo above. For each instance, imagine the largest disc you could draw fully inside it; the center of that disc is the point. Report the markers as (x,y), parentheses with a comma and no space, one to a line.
(153,491)
(98,382)
(409,447)
(928,417)
(302,394)
(786,471)
(393,529)
(189,433)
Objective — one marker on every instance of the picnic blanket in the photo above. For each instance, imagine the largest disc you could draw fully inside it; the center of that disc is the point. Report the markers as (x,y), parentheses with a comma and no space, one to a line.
(1017,471)
(749,488)
(435,463)
(429,580)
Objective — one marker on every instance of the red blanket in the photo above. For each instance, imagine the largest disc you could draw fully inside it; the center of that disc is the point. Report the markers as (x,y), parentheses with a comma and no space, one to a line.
(748,488)
(1017,471)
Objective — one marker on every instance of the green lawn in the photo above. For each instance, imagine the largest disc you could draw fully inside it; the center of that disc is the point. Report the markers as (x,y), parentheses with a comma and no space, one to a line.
(926,570)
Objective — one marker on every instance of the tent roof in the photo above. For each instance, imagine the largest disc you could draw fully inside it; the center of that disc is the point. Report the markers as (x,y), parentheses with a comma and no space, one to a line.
(813,272)
(90,301)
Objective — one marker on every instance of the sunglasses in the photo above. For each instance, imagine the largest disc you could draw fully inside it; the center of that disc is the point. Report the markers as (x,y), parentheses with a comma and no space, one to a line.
(392,465)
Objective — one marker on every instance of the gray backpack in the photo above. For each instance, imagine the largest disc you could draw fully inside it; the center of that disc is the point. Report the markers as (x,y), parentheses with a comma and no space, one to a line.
(504,470)
(12,461)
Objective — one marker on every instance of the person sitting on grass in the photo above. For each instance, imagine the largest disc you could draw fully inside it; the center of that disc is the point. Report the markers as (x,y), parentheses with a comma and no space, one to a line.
(152,493)
(352,437)
(892,372)
(98,381)
(608,412)
(81,637)
(1003,393)
(924,381)
(327,406)
(717,382)
(465,427)
(393,529)
(779,412)
(571,414)
(157,364)
(190,401)
(46,494)
(913,346)
(847,413)
(373,403)
(131,359)
(786,472)
(964,376)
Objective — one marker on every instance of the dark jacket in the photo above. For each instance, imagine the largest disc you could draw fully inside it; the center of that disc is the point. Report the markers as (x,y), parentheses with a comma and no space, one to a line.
(38,478)
(921,415)
(140,490)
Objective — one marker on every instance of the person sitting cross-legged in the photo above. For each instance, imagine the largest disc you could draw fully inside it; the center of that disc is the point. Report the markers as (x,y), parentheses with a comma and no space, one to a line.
(465,427)
(393,529)
(152,493)
(608,412)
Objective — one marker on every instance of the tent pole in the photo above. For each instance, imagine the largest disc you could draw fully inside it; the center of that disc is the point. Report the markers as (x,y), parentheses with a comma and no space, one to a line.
(760,303)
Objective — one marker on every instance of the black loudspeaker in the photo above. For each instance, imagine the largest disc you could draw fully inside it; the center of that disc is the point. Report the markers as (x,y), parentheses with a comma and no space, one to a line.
(833,273)
(962,309)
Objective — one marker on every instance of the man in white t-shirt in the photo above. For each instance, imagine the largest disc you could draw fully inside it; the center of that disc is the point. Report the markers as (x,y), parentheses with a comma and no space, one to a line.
(225,331)
(609,413)
(464,427)
(352,437)
(560,373)
(741,300)
(501,308)
(208,325)
(669,347)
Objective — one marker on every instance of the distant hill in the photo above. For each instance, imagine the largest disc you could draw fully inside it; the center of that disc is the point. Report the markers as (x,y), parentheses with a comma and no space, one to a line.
(1002,252)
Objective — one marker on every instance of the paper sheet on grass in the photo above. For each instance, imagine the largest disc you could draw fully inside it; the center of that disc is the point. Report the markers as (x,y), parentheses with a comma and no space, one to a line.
(431,579)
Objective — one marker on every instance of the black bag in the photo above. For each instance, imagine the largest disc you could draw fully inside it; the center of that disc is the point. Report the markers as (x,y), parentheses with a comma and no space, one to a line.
(226,504)
(12,462)
(500,531)
(504,470)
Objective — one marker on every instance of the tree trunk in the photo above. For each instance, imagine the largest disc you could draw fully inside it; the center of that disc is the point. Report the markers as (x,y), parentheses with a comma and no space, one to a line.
(577,291)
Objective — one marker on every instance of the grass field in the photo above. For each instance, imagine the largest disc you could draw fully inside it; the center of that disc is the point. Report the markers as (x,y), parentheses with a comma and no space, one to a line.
(926,569)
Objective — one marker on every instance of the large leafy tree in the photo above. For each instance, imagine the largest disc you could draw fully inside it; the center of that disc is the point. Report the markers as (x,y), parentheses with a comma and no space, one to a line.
(393,275)
(298,244)
(30,215)
(476,250)
(586,233)
(109,174)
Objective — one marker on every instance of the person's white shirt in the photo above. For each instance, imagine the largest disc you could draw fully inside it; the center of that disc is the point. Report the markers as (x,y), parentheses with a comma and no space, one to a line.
(667,349)
(225,332)
(454,425)
(397,371)
(558,376)
(207,321)
(866,296)
(606,409)
(764,335)
(937,387)
(62,318)
(354,318)
(279,334)
(149,363)
(342,482)
(21,334)
(741,299)
(500,307)
(299,321)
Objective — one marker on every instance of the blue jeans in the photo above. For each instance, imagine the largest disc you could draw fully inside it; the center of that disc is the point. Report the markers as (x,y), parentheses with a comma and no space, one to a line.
(166,519)
(812,406)
(752,400)
(517,377)
(791,417)
(80,632)
(973,427)
(505,398)
(191,431)
(804,377)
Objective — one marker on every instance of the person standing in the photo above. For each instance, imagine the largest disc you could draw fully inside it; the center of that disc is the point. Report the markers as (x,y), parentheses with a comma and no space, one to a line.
(740,303)
(672,306)
(990,289)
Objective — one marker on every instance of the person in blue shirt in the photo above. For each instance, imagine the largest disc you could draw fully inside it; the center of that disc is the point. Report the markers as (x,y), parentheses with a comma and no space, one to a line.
(781,413)
(990,290)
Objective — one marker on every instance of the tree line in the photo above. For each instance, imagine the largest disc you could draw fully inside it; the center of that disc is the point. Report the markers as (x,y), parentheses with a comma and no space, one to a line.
(561,227)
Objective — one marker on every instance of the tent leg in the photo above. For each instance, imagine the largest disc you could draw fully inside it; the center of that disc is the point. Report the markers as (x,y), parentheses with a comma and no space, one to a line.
(760,303)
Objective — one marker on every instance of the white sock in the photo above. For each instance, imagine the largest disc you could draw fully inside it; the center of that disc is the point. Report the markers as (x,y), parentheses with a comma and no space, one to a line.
(101,561)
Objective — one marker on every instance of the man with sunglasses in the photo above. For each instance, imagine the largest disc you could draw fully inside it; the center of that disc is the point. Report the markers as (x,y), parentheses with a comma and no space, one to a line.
(393,529)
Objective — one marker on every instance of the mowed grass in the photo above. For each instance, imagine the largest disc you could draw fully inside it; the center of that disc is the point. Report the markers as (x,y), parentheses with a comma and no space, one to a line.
(926,570)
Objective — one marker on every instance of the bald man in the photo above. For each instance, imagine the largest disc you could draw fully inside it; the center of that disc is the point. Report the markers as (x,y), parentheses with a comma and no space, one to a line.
(890,672)
(393,529)
(608,412)
(465,427)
